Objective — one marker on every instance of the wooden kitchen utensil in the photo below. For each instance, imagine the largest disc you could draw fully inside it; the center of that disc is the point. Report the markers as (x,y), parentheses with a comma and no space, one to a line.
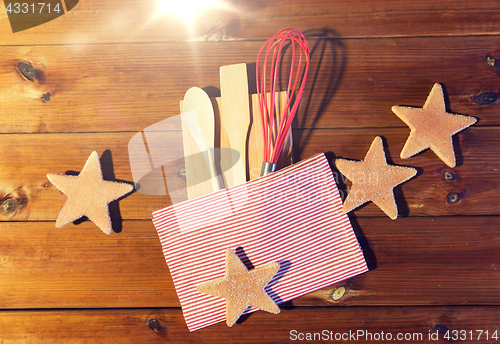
(276,130)
(198,181)
(256,143)
(235,121)
(198,100)
(255,146)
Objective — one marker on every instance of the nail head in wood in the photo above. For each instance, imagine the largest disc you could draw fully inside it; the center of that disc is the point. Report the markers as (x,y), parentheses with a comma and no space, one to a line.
(181,172)
(154,324)
(46,97)
(448,176)
(490,61)
(453,198)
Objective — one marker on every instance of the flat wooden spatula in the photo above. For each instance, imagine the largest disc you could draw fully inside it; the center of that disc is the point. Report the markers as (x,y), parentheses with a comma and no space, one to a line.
(235,121)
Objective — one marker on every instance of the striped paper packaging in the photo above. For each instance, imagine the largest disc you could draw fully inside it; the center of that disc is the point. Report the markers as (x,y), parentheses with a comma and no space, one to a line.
(292,216)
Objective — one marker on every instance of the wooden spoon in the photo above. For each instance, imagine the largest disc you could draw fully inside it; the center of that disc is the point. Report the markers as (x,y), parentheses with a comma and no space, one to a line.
(203,130)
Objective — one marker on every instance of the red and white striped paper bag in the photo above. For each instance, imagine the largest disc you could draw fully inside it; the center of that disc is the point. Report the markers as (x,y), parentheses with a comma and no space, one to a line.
(292,216)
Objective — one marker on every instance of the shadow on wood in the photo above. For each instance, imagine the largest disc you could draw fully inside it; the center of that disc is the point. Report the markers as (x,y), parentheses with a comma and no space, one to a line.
(327,63)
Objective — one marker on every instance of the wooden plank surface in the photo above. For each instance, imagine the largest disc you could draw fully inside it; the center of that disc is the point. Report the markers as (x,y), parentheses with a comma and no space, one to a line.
(134,326)
(75,267)
(427,193)
(26,163)
(95,88)
(437,261)
(422,261)
(130,21)
(108,69)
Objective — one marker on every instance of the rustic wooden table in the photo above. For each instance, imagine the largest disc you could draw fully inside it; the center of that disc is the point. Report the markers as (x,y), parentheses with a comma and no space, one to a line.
(108,69)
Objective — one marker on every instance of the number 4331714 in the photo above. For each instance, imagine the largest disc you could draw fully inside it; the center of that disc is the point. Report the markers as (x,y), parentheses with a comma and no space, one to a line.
(470,335)
(40,7)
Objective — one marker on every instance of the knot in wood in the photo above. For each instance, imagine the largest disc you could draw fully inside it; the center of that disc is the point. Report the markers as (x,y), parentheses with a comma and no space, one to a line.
(338,293)
(26,70)
(441,328)
(484,98)
(9,206)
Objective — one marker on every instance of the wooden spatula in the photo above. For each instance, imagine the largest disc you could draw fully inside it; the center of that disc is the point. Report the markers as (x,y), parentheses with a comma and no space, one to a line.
(235,120)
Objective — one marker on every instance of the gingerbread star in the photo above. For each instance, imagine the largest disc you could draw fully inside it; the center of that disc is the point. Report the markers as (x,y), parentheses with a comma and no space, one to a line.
(88,195)
(432,127)
(373,180)
(242,288)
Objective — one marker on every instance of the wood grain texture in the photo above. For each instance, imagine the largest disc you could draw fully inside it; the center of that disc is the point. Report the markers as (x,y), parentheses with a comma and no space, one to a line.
(234,112)
(427,193)
(108,69)
(78,267)
(412,261)
(198,175)
(352,83)
(198,145)
(26,161)
(422,261)
(33,156)
(130,21)
(134,325)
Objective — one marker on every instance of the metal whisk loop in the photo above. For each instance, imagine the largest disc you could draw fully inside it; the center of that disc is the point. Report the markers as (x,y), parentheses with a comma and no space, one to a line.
(274,132)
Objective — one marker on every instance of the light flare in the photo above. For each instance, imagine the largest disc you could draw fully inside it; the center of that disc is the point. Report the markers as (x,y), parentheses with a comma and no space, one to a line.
(187,9)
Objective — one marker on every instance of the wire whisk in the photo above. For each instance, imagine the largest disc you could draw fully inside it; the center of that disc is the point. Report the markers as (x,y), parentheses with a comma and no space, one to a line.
(276,126)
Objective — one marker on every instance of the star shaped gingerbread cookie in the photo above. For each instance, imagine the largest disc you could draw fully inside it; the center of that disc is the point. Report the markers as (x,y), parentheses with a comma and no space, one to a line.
(432,127)
(373,180)
(242,288)
(88,195)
